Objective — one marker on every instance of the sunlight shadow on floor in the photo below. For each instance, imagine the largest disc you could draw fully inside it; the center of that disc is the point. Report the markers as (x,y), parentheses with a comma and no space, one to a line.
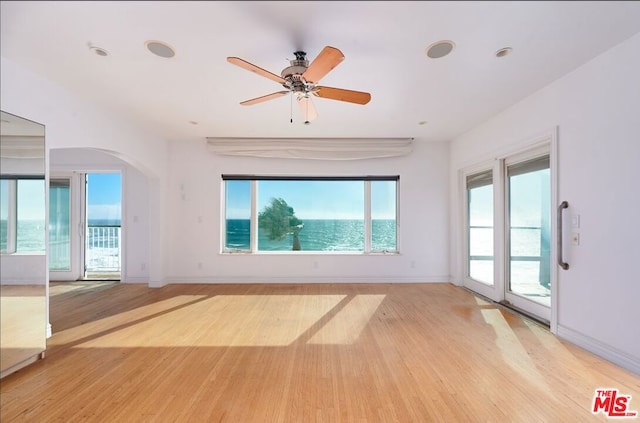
(345,327)
(225,320)
(513,352)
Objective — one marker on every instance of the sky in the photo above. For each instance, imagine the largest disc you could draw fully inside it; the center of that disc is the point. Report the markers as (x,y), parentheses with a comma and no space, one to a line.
(314,199)
(310,199)
(104,196)
(526,204)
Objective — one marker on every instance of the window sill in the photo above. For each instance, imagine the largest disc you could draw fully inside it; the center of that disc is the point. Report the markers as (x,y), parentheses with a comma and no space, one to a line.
(309,253)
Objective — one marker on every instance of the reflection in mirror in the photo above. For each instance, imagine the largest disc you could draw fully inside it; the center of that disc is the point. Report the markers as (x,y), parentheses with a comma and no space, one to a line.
(23,271)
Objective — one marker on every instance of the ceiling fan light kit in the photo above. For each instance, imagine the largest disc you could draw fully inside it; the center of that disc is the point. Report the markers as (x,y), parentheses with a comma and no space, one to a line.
(301,78)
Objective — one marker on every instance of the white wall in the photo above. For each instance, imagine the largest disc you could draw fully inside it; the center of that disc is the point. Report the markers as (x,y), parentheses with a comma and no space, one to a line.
(13,166)
(176,242)
(71,122)
(135,204)
(23,269)
(195,229)
(597,111)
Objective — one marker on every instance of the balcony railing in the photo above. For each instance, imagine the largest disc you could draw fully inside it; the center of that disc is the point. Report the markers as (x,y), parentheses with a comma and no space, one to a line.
(103,249)
(527,244)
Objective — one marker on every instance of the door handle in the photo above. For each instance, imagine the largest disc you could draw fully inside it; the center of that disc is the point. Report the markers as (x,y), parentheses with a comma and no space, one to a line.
(561,261)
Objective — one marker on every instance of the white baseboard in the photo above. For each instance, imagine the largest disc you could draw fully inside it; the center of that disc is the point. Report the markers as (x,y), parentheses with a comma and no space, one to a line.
(22,364)
(140,279)
(302,279)
(601,349)
(157,283)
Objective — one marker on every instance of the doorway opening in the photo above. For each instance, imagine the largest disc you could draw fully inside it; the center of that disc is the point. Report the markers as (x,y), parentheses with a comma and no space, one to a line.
(103,229)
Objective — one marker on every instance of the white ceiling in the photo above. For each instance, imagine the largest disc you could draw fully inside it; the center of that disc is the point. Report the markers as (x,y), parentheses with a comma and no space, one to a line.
(383,42)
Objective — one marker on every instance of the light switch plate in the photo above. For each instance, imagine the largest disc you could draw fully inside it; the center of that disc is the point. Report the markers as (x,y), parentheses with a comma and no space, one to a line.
(575,220)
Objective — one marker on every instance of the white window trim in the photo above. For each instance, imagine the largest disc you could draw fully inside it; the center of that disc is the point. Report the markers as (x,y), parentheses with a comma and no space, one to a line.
(12,217)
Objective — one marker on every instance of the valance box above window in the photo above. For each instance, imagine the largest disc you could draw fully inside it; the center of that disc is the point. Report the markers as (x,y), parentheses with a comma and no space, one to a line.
(312,148)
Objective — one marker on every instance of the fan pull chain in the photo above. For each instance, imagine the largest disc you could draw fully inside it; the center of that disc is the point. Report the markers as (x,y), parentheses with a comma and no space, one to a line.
(291,108)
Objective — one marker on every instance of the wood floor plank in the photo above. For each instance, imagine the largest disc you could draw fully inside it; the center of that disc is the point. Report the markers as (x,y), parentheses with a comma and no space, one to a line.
(301,353)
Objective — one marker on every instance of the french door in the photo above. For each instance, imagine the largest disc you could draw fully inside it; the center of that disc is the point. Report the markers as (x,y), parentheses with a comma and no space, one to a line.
(65,231)
(84,226)
(508,231)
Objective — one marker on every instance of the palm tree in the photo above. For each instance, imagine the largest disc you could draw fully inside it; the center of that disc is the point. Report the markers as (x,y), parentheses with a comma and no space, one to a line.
(279,220)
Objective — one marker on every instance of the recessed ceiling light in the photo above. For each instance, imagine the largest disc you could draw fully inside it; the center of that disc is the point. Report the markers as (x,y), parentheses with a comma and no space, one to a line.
(99,51)
(440,49)
(160,49)
(504,51)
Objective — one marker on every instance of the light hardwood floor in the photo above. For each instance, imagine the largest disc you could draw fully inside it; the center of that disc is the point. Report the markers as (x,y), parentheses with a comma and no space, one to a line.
(301,353)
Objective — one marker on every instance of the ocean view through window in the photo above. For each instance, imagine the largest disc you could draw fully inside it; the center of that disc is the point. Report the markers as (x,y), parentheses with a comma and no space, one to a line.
(22,216)
(315,214)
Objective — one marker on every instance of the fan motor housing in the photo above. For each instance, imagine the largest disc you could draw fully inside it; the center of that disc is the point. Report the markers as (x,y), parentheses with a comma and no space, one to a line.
(298,66)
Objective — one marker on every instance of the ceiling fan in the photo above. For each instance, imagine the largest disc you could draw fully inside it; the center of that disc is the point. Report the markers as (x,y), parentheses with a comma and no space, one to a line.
(301,79)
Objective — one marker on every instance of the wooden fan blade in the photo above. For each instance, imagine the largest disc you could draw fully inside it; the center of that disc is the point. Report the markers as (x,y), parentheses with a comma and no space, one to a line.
(329,58)
(253,68)
(340,94)
(307,108)
(264,98)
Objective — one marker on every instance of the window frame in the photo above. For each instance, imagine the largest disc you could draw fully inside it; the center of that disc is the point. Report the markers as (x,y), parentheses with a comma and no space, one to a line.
(12,216)
(253,232)
(12,212)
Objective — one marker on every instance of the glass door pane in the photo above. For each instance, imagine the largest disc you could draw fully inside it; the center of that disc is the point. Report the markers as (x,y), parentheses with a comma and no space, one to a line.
(59,224)
(480,227)
(529,230)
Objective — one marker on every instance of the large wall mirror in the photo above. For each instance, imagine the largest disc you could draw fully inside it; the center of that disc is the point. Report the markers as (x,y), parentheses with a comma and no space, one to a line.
(23,264)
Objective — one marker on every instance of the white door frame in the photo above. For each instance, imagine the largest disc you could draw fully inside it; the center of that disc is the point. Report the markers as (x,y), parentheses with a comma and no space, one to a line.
(76,193)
